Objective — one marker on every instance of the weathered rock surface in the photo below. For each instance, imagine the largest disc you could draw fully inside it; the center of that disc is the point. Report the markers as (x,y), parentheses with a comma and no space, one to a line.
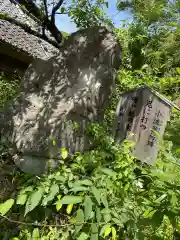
(70,88)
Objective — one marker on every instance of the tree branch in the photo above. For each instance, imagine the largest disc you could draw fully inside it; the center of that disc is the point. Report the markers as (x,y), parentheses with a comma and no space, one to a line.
(45,7)
(50,25)
(54,10)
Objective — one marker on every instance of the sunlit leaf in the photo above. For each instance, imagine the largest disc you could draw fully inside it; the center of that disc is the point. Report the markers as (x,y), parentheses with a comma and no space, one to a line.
(126,187)
(178,70)
(69,208)
(27,189)
(83,236)
(53,140)
(106,228)
(71,199)
(107,231)
(79,189)
(64,153)
(54,189)
(6,206)
(149,212)
(58,206)
(60,178)
(162,197)
(113,230)
(21,199)
(34,200)
(108,172)
(36,234)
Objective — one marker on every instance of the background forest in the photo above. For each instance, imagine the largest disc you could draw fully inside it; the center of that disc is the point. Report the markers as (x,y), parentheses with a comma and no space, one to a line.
(104,193)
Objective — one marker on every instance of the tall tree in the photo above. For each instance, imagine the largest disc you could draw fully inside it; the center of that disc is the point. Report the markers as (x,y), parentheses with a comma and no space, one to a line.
(84,13)
(154,33)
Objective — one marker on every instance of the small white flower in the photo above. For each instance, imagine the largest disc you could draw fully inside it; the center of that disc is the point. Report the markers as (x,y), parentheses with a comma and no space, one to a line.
(139,184)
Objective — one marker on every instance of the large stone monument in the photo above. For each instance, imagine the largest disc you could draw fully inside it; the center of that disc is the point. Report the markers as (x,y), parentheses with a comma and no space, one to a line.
(60,97)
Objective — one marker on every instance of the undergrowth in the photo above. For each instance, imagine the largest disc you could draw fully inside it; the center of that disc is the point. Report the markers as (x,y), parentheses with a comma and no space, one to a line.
(101,194)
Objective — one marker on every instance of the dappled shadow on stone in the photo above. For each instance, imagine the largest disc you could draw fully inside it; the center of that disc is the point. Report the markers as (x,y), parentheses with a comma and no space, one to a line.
(61,96)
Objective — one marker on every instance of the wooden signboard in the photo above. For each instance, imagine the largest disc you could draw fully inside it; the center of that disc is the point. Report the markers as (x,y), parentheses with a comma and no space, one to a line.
(141,117)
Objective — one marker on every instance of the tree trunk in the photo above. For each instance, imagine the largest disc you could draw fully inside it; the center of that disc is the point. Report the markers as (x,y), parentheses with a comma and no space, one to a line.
(32,8)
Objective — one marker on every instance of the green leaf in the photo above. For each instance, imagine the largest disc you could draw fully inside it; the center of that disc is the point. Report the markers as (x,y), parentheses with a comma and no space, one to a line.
(104,229)
(71,199)
(149,212)
(162,197)
(52,193)
(79,220)
(62,10)
(107,4)
(117,221)
(58,203)
(106,215)
(94,231)
(113,212)
(27,189)
(33,200)
(98,11)
(6,206)
(53,140)
(79,189)
(83,236)
(113,230)
(87,207)
(58,206)
(157,219)
(97,194)
(98,215)
(69,208)
(178,70)
(36,234)
(104,199)
(60,178)
(83,182)
(126,187)
(108,172)
(64,153)
(21,199)
(107,231)
(174,200)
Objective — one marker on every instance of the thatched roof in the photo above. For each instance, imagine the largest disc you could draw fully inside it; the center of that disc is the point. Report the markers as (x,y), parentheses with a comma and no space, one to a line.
(22,31)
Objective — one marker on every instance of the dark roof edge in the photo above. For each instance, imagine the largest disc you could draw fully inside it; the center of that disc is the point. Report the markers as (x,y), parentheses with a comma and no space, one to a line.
(27,12)
(28,29)
(161,97)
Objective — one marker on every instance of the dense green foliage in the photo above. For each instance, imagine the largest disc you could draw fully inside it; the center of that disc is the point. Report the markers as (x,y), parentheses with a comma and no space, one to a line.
(154,34)
(105,193)
(8,88)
